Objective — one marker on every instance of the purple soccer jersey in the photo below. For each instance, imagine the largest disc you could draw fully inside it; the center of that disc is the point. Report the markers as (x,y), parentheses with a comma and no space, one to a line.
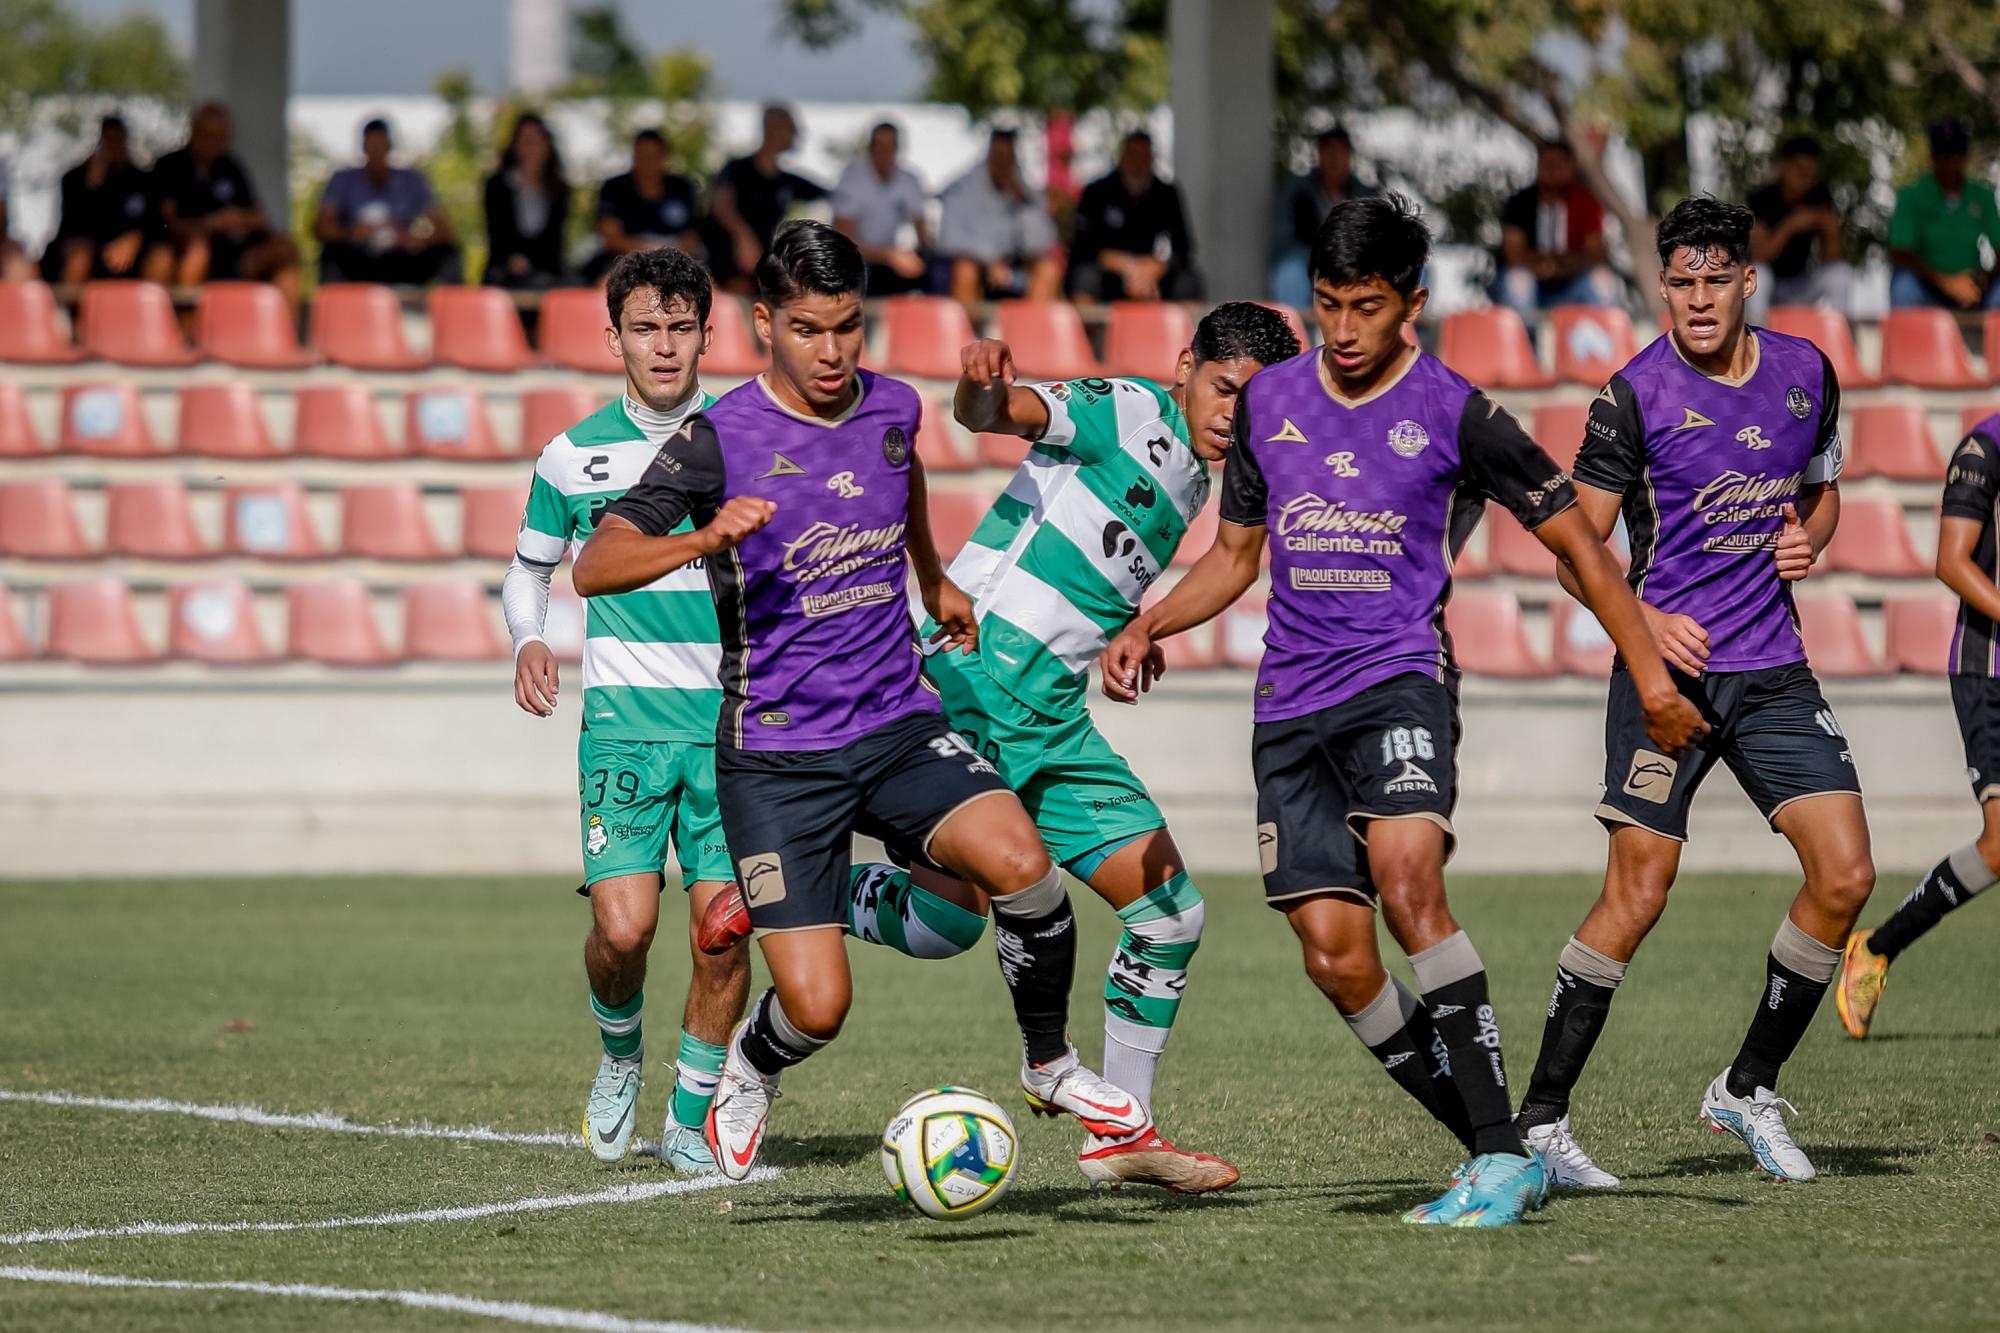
(818,647)
(1366,504)
(1971,490)
(1705,468)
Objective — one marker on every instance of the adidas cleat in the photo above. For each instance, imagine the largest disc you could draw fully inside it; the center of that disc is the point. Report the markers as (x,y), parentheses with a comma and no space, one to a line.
(1148,1159)
(1758,1120)
(1864,975)
(1068,1087)
(613,1109)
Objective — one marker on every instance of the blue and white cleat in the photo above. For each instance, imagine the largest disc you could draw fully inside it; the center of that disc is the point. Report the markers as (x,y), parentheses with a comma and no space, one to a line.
(613,1109)
(1758,1120)
(686,1151)
(1494,1190)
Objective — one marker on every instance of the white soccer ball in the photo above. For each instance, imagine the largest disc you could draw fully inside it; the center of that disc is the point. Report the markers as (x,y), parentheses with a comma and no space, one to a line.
(949,1153)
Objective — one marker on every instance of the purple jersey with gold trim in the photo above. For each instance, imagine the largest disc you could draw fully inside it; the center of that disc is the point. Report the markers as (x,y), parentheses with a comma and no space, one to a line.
(1972,490)
(1367,503)
(818,647)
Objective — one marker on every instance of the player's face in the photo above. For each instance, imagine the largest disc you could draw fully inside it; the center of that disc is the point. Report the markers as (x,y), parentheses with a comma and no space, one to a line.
(1704,293)
(815,346)
(1212,390)
(661,343)
(1362,326)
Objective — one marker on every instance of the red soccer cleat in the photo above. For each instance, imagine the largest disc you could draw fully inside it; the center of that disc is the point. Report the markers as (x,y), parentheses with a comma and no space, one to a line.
(726,921)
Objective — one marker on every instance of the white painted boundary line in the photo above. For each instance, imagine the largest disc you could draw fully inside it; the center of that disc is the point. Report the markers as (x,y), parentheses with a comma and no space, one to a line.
(256,1115)
(513,1312)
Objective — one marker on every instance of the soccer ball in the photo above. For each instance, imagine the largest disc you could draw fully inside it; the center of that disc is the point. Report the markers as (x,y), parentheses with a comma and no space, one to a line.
(949,1152)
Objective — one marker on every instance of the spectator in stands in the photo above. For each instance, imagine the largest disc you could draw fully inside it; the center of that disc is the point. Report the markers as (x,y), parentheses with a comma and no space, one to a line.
(1552,240)
(645,209)
(996,233)
(752,195)
(108,227)
(1132,240)
(14,264)
(1303,203)
(1795,215)
(880,206)
(527,211)
(210,211)
(379,223)
(1934,233)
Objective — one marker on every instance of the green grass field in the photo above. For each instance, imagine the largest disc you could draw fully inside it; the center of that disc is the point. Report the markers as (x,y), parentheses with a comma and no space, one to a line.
(462,1003)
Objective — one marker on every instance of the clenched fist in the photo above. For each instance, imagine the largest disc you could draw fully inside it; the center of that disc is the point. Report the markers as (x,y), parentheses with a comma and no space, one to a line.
(740,516)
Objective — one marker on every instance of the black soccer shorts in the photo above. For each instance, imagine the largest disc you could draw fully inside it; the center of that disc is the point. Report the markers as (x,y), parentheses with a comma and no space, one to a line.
(1976,700)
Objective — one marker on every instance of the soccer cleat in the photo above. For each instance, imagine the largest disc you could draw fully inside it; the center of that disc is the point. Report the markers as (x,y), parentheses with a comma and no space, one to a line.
(1759,1120)
(613,1108)
(1493,1190)
(1148,1159)
(1564,1158)
(735,1126)
(1864,975)
(1068,1086)
(726,920)
(686,1150)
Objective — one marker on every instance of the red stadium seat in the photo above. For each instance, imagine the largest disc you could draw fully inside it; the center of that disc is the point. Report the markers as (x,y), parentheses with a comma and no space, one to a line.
(340,421)
(224,421)
(450,423)
(478,328)
(954,514)
(1969,416)
(107,421)
(491,519)
(14,644)
(152,520)
(1593,343)
(1473,561)
(1922,348)
(31,331)
(1512,549)
(360,325)
(1872,540)
(1047,339)
(997,450)
(131,323)
(94,622)
(940,444)
(1294,321)
(1489,638)
(1835,644)
(1582,648)
(248,324)
(334,623)
(1146,338)
(1827,330)
(215,622)
(1919,631)
(387,522)
(1239,632)
(1200,535)
(38,521)
(571,330)
(269,521)
(449,622)
(1491,347)
(733,349)
(1893,440)
(1559,428)
(18,437)
(547,413)
(923,336)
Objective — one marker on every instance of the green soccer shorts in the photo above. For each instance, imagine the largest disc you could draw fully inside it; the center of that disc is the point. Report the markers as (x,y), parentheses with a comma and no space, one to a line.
(635,797)
(1080,792)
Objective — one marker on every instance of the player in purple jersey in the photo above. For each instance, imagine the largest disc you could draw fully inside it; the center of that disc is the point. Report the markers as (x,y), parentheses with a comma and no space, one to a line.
(1365,466)
(1965,562)
(1721,446)
(811,501)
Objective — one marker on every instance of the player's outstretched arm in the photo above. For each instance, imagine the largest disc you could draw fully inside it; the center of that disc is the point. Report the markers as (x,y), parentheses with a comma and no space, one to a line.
(944,601)
(1681,640)
(987,399)
(619,557)
(1957,539)
(1131,662)
(524,596)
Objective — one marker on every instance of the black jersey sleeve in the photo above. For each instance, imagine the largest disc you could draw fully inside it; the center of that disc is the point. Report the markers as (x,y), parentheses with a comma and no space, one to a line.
(1243,489)
(1614,440)
(685,479)
(1500,461)
(1829,453)
(1973,482)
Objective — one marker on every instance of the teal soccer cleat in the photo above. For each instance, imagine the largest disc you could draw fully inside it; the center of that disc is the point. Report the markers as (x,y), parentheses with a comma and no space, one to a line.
(686,1151)
(613,1108)
(1494,1190)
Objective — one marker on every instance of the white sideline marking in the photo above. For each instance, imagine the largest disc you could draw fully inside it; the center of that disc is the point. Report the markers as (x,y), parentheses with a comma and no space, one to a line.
(464,1213)
(513,1312)
(257,1115)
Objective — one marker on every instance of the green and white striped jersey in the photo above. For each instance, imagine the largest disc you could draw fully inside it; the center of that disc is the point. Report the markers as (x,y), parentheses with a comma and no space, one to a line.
(651,655)
(1058,565)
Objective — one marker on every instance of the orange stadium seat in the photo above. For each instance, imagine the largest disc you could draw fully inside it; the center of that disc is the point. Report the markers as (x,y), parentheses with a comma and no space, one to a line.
(478,328)
(1491,347)
(334,623)
(1918,631)
(248,324)
(1893,440)
(152,520)
(360,325)
(223,421)
(340,421)
(106,420)
(1872,540)
(94,622)
(1146,338)
(1200,535)
(491,519)
(954,514)
(269,521)
(18,437)
(733,349)
(14,643)
(1831,626)
(1969,417)
(1593,343)
(1922,348)
(998,450)
(1293,320)
(1047,339)
(923,336)
(386,521)
(1827,330)
(939,443)
(571,330)
(216,622)
(1489,638)
(31,332)
(547,413)
(1513,549)
(450,423)
(1239,632)
(1559,427)
(1582,648)
(131,323)
(38,521)
(449,622)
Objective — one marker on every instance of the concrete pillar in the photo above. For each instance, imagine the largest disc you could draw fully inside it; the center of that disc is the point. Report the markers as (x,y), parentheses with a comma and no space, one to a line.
(1223,72)
(537,45)
(243,57)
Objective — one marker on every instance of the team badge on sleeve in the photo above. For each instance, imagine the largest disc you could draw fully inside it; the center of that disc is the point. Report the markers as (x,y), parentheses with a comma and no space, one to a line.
(895,446)
(1799,402)
(1408,438)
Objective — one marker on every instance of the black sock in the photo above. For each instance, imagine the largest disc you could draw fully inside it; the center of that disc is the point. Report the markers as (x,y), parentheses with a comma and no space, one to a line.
(1399,1034)
(770,1044)
(1454,983)
(1960,876)
(1775,1029)
(1577,1011)
(1038,959)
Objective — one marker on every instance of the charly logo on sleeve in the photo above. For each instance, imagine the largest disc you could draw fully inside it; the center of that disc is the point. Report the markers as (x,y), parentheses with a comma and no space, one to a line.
(1408,439)
(1798,402)
(895,446)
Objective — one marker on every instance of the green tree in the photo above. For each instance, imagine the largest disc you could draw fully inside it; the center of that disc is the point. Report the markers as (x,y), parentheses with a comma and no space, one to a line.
(47,52)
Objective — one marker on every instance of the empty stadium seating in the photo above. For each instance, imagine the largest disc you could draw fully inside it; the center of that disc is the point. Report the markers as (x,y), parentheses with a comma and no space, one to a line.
(1488,635)
(449,622)
(923,336)
(477,328)
(1835,645)
(333,622)
(215,622)
(733,349)
(1047,339)
(1490,346)
(1593,343)
(1192,650)
(954,514)
(360,325)
(1973,414)
(15,646)
(450,423)
(340,421)
(1146,338)
(1512,549)
(248,324)
(942,448)
(492,520)
(131,324)
(223,421)
(152,520)
(1200,535)
(107,420)
(1918,632)
(1582,648)
(1003,451)
(1922,348)
(38,521)
(1893,440)
(31,331)
(94,622)
(1558,427)
(1827,330)
(387,522)
(547,413)
(269,521)
(570,330)
(1872,540)
(1239,632)
(18,436)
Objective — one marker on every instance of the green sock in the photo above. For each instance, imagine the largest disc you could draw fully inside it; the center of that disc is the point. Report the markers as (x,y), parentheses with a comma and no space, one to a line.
(696,1073)
(619,1026)
(1148,973)
(885,906)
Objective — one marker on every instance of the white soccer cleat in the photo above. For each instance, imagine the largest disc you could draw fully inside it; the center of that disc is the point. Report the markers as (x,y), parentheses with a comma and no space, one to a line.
(1068,1086)
(1759,1120)
(613,1109)
(1569,1166)
(735,1126)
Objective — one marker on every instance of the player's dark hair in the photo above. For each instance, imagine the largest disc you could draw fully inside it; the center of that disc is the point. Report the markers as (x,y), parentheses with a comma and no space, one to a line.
(1705,223)
(808,259)
(649,136)
(1559,145)
(1007,132)
(376,125)
(1244,330)
(1380,237)
(888,125)
(1137,136)
(671,272)
(1334,133)
(1801,145)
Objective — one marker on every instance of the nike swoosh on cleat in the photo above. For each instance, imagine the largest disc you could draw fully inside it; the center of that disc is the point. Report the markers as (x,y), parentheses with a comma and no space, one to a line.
(1115,1112)
(743,1158)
